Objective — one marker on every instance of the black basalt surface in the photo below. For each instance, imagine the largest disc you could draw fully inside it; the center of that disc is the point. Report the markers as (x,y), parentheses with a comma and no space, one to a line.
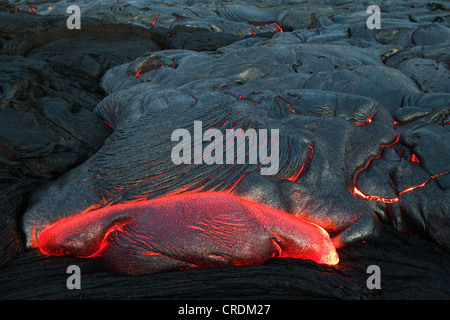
(86,118)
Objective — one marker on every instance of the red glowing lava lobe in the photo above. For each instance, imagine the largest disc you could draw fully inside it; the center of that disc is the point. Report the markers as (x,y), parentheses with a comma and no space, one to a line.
(196,230)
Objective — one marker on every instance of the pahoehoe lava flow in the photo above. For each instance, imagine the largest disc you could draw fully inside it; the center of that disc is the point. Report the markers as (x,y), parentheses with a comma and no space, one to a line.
(88,119)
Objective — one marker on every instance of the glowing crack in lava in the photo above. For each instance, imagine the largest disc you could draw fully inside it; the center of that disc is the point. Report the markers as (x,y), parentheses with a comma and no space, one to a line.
(208,229)
(414,158)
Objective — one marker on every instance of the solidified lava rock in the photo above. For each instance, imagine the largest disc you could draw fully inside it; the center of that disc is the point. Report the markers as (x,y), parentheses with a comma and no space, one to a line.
(47,97)
(363,114)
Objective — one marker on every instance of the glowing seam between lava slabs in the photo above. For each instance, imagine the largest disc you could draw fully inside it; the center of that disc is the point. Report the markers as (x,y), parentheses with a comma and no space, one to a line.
(138,74)
(304,167)
(414,158)
(396,199)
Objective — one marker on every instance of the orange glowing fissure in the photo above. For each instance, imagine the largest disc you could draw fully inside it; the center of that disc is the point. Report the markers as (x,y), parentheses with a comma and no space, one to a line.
(356,78)
(154,21)
(138,74)
(277,27)
(305,166)
(358,192)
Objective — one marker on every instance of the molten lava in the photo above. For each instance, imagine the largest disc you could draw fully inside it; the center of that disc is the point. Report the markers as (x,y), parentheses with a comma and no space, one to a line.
(208,229)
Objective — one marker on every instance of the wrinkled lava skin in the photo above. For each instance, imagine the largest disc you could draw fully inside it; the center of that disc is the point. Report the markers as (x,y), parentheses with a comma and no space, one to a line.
(363,139)
(210,229)
(135,162)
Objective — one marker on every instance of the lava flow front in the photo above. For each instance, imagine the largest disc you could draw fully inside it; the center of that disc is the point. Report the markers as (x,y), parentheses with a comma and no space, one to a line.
(208,229)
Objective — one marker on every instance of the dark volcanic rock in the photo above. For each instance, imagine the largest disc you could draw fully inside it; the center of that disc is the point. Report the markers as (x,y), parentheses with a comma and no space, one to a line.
(363,118)
(13,192)
(46,126)
(410,269)
(323,194)
(85,65)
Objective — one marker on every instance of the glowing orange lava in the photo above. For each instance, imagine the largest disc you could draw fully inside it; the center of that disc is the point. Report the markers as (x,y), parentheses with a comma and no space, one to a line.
(414,158)
(248,231)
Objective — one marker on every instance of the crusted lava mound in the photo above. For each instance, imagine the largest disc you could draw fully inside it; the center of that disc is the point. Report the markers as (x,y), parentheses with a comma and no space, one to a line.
(88,117)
